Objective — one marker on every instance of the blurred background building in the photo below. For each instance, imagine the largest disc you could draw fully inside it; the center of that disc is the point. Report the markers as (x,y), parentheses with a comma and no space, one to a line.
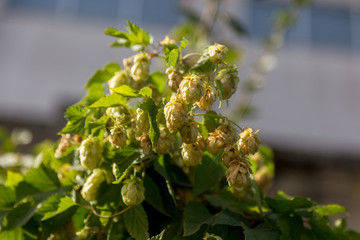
(308,111)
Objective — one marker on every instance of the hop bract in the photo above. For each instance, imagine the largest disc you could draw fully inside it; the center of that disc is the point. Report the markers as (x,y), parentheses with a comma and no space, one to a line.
(142,121)
(165,142)
(140,68)
(133,192)
(118,136)
(175,113)
(207,100)
(90,153)
(189,131)
(120,78)
(217,53)
(229,155)
(191,89)
(215,141)
(229,80)
(90,189)
(229,135)
(238,173)
(193,152)
(174,77)
(249,141)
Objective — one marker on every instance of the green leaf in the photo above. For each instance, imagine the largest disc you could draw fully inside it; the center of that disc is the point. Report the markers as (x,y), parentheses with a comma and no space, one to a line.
(113,100)
(227,217)
(287,206)
(146,92)
(20,215)
(42,178)
(53,221)
(13,179)
(126,91)
(211,123)
(103,75)
(138,35)
(98,124)
(76,116)
(268,155)
(173,57)
(203,65)
(226,200)
(15,234)
(123,159)
(329,209)
(261,232)
(152,194)
(207,174)
(136,223)
(158,237)
(184,43)
(150,107)
(167,51)
(94,93)
(195,215)
(158,79)
(7,196)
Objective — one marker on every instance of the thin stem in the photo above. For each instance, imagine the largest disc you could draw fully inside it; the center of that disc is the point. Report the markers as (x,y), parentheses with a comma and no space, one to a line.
(217,116)
(93,210)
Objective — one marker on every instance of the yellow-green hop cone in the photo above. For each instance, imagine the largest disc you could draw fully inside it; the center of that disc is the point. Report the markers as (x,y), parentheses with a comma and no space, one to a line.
(145,143)
(90,153)
(90,189)
(191,88)
(193,152)
(229,134)
(215,141)
(175,113)
(140,69)
(174,78)
(229,155)
(238,173)
(229,80)
(217,53)
(133,191)
(263,178)
(118,136)
(207,100)
(120,78)
(189,131)
(165,142)
(142,121)
(249,141)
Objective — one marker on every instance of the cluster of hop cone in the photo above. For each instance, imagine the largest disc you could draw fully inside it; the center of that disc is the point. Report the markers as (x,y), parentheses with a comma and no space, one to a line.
(190,92)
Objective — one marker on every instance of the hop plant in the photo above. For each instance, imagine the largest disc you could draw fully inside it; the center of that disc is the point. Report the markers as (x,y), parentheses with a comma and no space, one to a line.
(207,100)
(90,153)
(133,192)
(64,143)
(229,80)
(189,131)
(238,173)
(90,189)
(145,143)
(193,152)
(174,78)
(215,141)
(191,88)
(217,53)
(249,141)
(175,113)
(140,68)
(120,78)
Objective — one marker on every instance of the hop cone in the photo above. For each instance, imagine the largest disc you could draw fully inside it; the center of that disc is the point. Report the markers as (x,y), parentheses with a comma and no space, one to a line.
(90,153)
